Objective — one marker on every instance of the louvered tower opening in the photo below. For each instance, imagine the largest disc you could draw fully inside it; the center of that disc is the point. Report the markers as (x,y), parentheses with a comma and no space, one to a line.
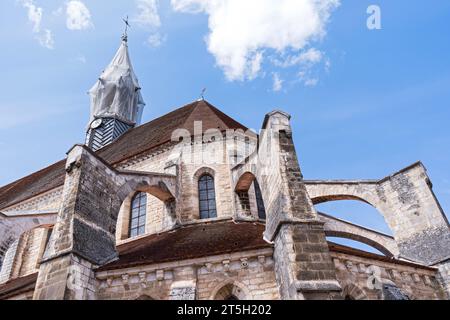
(106,133)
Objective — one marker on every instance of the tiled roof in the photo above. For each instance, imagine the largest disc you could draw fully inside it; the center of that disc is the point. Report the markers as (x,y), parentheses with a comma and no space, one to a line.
(18,286)
(190,242)
(132,143)
(338,248)
(209,239)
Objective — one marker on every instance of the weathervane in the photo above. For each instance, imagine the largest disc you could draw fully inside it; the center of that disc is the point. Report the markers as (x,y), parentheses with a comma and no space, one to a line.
(202,95)
(127,25)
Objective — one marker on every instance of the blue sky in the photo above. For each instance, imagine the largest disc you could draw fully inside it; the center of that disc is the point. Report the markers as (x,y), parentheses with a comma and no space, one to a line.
(364,103)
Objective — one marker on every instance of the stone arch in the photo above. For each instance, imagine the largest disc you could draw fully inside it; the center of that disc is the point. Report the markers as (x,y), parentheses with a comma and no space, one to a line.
(408,204)
(335,227)
(362,239)
(230,288)
(146,294)
(157,186)
(202,171)
(351,291)
(364,192)
(247,202)
(8,263)
(13,227)
(245,181)
(195,180)
(321,192)
(93,194)
(158,190)
(17,261)
(144,297)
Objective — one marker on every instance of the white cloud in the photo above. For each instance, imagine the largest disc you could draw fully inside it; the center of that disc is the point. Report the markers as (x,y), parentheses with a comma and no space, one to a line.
(155,40)
(81,59)
(149,19)
(277,82)
(243,32)
(312,82)
(306,61)
(78,16)
(148,14)
(307,79)
(58,12)
(46,39)
(306,58)
(35,13)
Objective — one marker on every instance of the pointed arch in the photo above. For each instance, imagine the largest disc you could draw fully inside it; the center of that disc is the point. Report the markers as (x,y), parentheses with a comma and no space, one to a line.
(351,291)
(204,181)
(138,215)
(207,197)
(144,297)
(230,289)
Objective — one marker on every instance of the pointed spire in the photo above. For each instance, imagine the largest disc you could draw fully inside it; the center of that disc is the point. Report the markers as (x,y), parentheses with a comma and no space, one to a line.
(117,92)
(116,100)
(125,33)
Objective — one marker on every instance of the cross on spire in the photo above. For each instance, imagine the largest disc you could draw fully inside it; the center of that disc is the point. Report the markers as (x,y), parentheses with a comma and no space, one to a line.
(127,25)
(202,95)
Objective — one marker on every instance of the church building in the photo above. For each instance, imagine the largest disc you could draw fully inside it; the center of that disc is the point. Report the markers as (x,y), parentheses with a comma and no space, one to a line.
(195,206)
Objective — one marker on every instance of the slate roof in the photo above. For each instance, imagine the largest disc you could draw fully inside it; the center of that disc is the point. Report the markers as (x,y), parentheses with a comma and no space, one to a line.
(134,142)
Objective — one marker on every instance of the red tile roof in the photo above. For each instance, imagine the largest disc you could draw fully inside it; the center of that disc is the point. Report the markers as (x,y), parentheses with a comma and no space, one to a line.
(18,286)
(136,141)
(209,239)
(190,242)
(338,248)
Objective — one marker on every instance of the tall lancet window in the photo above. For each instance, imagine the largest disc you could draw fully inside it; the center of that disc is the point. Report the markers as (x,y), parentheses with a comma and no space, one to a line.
(207,197)
(138,215)
(260,202)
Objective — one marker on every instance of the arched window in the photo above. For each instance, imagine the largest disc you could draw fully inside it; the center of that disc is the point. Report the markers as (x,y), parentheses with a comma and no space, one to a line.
(207,197)
(259,202)
(145,297)
(138,215)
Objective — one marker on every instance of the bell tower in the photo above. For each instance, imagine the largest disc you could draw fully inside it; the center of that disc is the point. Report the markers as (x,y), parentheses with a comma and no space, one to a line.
(116,101)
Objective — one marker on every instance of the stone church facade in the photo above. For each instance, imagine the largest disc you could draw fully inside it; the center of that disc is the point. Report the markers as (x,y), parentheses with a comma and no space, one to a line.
(193,205)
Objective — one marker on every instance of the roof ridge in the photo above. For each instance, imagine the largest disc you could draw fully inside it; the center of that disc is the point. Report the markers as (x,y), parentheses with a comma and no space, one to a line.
(134,142)
(222,115)
(147,124)
(15,182)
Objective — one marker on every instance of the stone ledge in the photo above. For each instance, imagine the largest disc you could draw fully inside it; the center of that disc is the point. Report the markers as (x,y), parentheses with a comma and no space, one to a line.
(317,286)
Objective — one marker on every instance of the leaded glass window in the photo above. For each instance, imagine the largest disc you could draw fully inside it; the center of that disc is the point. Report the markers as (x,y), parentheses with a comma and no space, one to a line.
(207,197)
(138,215)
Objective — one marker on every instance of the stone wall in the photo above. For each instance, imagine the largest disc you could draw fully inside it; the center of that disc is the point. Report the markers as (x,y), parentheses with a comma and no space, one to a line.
(363,278)
(444,276)
(407,202)
(302,263)
(12,227)
(193,160)
(8,262)
(49,201)
(84,233)
(23,256)
(31,252)
(94,208)
(250,274)
(67,277)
